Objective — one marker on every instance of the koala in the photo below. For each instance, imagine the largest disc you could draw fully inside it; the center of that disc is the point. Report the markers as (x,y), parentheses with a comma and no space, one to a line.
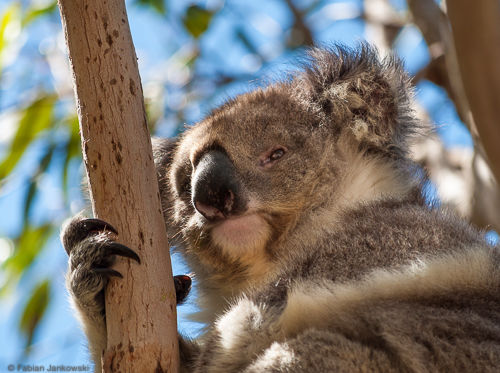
(302,216)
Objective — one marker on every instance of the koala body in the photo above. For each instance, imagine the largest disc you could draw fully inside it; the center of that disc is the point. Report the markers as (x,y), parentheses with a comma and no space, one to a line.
(301,215)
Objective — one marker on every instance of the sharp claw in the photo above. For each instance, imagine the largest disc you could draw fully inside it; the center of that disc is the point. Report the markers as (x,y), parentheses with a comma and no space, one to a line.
(98,225)
(108,272)
(116,248)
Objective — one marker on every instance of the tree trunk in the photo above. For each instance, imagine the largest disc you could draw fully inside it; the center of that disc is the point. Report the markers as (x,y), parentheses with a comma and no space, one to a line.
(140,308)
(476,34)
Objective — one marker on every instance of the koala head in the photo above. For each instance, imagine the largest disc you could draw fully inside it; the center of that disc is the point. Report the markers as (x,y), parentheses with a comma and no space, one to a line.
(263,171)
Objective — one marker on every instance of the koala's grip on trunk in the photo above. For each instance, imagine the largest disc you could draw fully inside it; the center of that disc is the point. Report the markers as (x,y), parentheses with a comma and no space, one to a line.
(91,249)
(301,215)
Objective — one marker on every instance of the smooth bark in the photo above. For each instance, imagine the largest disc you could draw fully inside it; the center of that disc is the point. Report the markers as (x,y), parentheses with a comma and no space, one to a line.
(140,308)
(476,34)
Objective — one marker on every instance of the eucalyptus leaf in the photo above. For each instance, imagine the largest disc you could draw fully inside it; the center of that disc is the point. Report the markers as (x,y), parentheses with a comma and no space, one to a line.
(157,5)
(197,20)
(35,12)
(33,183)
(35,119)
(35,309)
(27,247)
(10,15)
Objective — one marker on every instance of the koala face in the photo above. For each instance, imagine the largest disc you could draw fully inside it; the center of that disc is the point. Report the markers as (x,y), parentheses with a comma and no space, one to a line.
(245,178)
(242,176)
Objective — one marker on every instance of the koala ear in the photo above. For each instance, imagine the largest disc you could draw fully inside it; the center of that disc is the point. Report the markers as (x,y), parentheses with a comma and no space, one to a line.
(356,94)
(371,101)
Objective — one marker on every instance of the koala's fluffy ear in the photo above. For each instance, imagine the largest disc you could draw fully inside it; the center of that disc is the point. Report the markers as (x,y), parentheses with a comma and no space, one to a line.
(354,93)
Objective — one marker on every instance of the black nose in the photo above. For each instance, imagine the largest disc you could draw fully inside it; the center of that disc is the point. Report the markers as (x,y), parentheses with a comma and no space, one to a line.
(214,186)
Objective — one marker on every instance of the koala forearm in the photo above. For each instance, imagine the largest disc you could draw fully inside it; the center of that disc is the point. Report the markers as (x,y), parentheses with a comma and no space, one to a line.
(189,351)
(94,326)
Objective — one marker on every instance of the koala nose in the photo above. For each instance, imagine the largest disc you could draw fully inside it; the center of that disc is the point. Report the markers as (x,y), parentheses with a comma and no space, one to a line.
(215,189)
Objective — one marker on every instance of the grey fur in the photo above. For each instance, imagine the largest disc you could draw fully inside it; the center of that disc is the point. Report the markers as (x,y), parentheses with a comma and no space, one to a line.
(335,263)
(84,284)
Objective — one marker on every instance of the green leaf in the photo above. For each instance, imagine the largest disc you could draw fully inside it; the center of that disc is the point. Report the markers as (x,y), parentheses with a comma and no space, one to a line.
(34,12)
(10,16)
(27,246)
(36,118)
(157,5)
(197,20)
(33,187)
(73,149)
(35,309)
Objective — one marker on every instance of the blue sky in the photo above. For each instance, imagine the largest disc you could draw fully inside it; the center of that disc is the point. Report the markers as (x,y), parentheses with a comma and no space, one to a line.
(59,339)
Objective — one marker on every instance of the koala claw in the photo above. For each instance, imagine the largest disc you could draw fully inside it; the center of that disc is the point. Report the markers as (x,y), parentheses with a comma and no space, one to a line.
(182,285)
(91,256)
(115,248)
(82,229)
(108,272)
(92,250)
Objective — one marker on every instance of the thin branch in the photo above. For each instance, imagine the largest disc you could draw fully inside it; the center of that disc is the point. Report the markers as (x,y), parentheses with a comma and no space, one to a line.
(433,24)
(300,25)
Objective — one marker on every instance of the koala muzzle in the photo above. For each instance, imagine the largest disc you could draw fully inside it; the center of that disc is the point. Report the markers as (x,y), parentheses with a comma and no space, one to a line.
(215,188)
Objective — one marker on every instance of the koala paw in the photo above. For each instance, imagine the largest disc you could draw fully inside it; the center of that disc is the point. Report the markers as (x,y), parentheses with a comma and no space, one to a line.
(91,249)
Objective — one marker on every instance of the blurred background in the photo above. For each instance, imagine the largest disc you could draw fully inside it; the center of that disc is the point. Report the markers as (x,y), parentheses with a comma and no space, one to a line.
(194,55)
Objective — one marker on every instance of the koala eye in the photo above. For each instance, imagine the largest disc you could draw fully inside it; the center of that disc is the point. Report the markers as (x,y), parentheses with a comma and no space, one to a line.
(277,154)
(271,156)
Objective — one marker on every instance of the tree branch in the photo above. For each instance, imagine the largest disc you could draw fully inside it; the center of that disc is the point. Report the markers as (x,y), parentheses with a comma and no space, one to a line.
(435,29)
(300,27)
(383,23)
(476,34)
